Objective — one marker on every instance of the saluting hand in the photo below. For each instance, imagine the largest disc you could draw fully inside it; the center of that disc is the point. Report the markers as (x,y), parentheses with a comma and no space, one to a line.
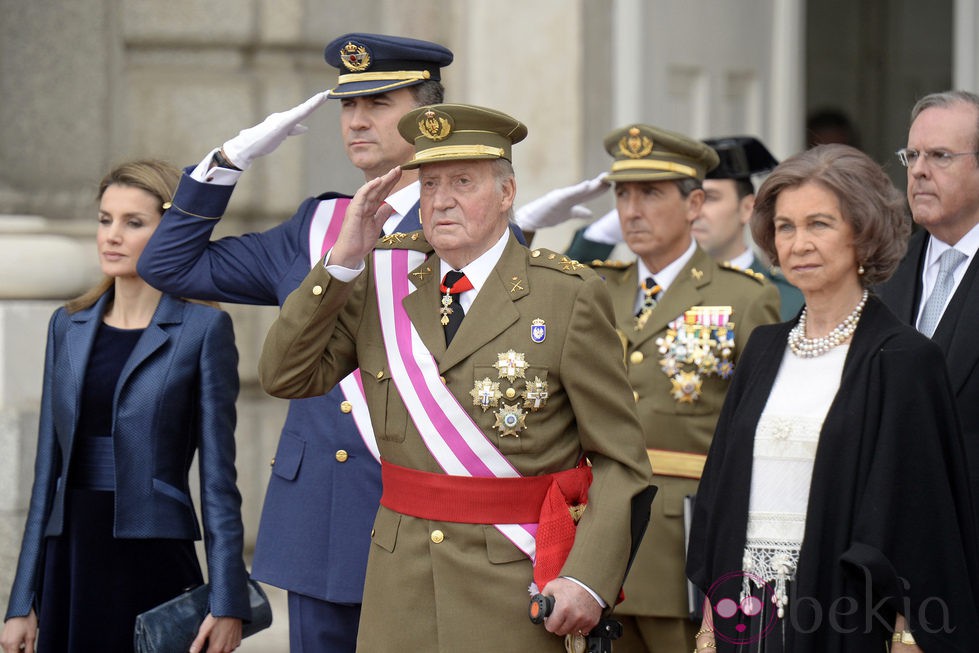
(364,220)
(264,137)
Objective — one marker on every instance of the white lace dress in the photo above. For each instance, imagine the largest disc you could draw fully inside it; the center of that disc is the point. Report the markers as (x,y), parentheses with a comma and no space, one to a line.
(784,451)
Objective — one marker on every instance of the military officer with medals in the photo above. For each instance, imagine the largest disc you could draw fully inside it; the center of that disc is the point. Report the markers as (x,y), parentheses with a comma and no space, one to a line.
(683,319)
(719,229)
(494,381)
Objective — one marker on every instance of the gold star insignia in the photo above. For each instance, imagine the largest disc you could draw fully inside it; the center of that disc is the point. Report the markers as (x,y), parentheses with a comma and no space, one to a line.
(697,274)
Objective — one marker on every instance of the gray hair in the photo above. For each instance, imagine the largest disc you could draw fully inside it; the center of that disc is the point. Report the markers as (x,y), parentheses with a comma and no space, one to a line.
(946,99)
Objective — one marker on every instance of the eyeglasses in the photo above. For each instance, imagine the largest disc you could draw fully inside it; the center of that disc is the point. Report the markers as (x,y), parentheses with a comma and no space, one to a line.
(937,158)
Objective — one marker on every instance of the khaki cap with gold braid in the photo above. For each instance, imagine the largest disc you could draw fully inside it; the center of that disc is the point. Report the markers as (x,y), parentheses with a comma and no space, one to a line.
(644,153)
(449,132)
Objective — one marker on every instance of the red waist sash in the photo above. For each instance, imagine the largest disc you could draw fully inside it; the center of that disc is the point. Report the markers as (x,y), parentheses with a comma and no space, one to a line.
(477,500)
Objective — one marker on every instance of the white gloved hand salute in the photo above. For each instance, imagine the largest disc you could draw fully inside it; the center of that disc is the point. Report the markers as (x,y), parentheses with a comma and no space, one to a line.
(264,137)
(560,204)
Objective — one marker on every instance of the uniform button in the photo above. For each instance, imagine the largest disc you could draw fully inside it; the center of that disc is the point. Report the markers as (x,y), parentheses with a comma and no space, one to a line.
(317,290)
(272,462)
(341,456)
(635,395)
(438,536)
(380,375)
(510,393)
(372,532)
(535,253)
(635,357)
(346,407)
(167,205)
(442,379)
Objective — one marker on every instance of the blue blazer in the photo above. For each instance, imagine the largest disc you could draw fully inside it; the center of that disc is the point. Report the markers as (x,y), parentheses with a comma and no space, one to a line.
(314,533)
(175,395)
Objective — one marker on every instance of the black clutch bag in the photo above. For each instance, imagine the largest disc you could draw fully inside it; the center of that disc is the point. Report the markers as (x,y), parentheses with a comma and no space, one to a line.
(172,626)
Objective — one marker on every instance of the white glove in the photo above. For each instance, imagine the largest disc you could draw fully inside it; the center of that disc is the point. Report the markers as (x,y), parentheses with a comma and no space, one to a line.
(560,205)
(264,137)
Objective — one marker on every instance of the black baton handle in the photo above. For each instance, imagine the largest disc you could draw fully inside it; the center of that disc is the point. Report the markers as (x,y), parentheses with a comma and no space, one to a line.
(540,607)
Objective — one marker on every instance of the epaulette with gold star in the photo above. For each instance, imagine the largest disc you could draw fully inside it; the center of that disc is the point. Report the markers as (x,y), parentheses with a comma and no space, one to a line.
(414,240)
(757,276)
(548,259)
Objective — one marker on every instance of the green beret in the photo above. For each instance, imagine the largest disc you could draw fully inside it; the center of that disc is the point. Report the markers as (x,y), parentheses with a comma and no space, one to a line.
(644,153)
(448,132)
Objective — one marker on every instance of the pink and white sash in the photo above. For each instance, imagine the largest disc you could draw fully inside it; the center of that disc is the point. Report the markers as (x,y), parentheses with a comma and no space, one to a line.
(457,443)
(323,231)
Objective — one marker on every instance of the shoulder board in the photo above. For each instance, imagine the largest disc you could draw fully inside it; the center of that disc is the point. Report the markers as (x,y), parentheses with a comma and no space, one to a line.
(413,240)
(609,263)
(757,276)
(549,259)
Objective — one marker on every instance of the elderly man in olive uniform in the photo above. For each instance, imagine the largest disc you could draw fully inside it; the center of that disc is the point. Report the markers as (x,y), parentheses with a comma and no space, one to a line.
(683,319)
(494,381)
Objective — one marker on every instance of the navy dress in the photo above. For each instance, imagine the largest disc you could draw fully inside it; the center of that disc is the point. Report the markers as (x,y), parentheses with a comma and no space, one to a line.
(94,584)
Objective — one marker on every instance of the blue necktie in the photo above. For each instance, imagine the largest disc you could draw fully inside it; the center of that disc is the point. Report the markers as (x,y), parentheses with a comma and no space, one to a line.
(935,305)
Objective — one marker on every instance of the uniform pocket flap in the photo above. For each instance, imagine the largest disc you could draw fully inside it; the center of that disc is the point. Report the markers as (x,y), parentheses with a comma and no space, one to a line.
(289,456)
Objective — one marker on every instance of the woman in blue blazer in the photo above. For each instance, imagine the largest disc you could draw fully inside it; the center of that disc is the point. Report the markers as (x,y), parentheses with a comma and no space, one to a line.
(135,382)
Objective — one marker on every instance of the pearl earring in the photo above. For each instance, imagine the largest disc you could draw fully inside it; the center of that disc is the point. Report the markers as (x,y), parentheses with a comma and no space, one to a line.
(860,270)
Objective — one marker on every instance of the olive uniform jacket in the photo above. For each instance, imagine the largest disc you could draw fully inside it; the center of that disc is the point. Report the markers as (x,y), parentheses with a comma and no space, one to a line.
(441,586)
(657,584)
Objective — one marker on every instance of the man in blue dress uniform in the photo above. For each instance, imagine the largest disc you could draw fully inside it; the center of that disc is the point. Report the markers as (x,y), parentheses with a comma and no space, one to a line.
(325,485)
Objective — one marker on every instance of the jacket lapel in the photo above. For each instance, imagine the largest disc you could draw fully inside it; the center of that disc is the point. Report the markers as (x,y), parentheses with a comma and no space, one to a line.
(78,342)
(902,291)
(168,311)
(422,305)
(493,311)
(954,332)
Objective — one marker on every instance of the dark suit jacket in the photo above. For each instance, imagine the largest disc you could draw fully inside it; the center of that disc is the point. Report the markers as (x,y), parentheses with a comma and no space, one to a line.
(175,395)
(954,335)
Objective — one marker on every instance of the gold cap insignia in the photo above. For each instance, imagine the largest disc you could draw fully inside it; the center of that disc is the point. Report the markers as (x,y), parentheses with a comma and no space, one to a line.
(634,145)
(435,125)
(355,57)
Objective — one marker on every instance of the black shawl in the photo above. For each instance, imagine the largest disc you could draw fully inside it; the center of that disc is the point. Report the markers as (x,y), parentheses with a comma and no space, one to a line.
(888,525)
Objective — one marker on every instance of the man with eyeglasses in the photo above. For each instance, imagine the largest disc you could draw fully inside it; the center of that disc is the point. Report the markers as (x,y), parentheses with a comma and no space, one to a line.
(936,286)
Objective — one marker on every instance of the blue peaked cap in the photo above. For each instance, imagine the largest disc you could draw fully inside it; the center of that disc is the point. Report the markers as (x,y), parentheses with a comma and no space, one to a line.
(378,63)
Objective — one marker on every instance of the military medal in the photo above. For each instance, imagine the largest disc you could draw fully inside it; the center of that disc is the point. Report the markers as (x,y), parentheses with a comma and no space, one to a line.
(697,345)
(510,420)
(649,289)
(686,387)
(486,393)
(535,394)
(461,285)
(511,365)
(446,309)
(538,330)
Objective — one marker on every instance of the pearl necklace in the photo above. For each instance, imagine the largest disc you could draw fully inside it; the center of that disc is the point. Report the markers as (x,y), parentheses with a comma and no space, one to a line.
(811,347)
